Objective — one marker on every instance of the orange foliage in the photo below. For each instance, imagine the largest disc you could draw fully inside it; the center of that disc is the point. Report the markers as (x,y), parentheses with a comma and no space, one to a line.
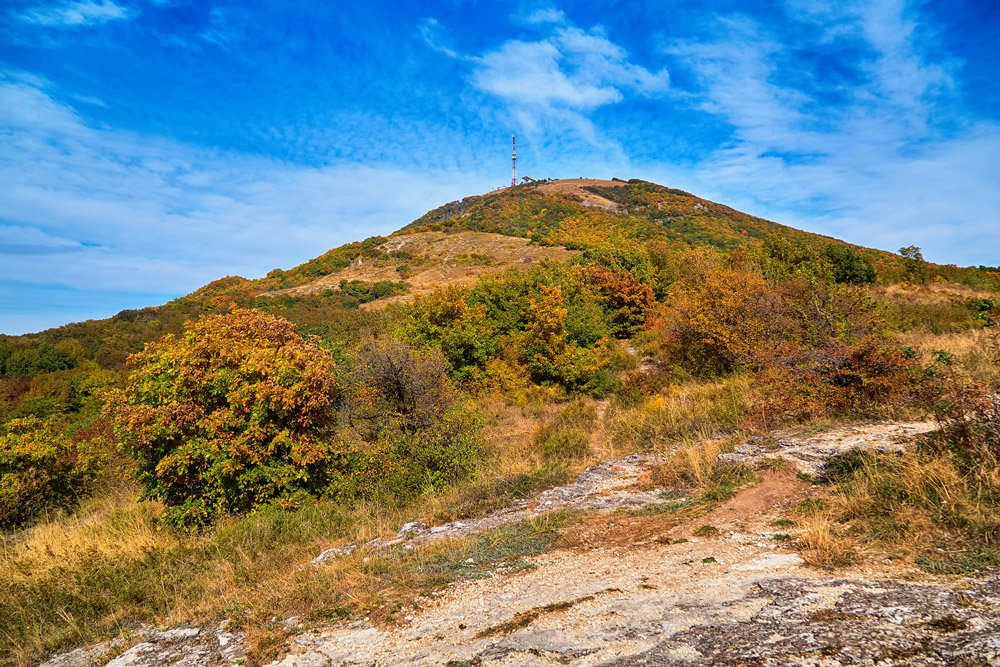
(726,321)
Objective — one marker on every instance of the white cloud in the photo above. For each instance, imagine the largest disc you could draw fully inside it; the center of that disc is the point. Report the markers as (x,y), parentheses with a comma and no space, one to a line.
(75,14)
(570,69)
(433,34)
(139,214)
(542,15)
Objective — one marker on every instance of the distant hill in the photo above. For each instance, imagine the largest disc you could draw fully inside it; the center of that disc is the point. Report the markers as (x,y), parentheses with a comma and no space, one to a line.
(512,228)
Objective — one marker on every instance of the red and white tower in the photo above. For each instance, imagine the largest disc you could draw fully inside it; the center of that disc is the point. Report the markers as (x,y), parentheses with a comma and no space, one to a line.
(513,161)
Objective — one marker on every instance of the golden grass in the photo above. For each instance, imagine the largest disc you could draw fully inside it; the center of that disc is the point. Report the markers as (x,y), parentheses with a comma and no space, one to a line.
(84,577)
(699,410)
(975,352)
(931,293)
(822,545)
(439,259)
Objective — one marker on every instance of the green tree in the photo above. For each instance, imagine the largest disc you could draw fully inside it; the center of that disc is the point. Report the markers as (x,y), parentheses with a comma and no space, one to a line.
(850,266)
(914,263)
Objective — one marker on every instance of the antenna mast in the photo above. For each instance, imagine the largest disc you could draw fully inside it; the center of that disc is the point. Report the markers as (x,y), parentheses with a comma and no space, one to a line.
(513,161)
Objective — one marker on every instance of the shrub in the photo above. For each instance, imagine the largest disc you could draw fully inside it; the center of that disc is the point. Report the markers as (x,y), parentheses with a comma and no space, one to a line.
(228,417)
(722,323)
(400,400)
(628,301)
(429,459)
(391,386)
(868,378)
(551,356)
(464,334)
(42,469)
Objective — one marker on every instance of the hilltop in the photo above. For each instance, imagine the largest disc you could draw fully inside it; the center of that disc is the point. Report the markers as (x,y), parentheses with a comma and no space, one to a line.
(461,240)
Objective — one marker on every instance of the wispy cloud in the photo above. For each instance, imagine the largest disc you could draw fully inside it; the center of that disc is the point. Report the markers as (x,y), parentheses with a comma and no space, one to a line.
(887,165)
(79,14)
(551,84)
(541,15)
(125,213)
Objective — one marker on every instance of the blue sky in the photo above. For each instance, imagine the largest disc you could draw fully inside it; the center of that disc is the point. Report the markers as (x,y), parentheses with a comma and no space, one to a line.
(150,146)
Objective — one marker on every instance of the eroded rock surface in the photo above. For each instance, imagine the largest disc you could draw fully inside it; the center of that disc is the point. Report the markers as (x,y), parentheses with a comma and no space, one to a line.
(810,454)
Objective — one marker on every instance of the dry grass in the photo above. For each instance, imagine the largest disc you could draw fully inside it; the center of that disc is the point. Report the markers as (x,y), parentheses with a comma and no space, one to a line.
(697,410)
(975,352)
(80,578)
(821,543)
(90,578)
(435,259)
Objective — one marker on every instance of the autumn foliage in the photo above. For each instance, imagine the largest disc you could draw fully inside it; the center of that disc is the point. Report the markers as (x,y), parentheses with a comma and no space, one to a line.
(228,416)
(42,469)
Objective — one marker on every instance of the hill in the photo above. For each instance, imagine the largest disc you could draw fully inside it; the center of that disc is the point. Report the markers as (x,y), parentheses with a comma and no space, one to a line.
(318,453)
(464,239)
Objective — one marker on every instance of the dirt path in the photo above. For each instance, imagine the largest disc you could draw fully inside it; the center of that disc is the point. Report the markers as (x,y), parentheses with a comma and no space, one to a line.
(674,598)
(635,591)
(629,597)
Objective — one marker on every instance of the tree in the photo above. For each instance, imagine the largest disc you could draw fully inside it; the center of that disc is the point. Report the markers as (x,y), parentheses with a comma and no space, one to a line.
(914,263)
(850,266)
(229,416)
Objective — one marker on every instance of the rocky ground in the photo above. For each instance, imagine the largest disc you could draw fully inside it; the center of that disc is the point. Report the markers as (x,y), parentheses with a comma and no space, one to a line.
(735,595)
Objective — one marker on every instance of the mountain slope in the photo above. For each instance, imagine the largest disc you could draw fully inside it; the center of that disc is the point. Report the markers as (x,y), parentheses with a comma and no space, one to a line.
(578,212)
(570,214)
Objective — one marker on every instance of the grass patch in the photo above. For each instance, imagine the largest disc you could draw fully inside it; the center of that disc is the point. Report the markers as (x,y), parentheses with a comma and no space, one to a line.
(526,618)
(811,507)
(567,435)
(948,623)
(91,579)
(476,557)
(981,560)
(691,410)
(706,531)
(834,616)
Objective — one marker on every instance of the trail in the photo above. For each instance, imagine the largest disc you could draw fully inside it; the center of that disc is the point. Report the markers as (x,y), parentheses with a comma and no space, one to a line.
(629,593)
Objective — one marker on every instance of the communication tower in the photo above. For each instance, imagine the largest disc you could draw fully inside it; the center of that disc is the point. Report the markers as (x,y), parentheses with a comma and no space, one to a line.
(513,161)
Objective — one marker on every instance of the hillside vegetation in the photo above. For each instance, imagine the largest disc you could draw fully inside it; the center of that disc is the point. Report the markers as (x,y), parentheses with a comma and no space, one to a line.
(181,463)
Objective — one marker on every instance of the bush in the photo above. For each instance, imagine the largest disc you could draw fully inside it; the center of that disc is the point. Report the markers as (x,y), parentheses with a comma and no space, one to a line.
(42,469)
(392,387)
(430,459)
(868,378)
(401,400)
(228,417)
(722,323)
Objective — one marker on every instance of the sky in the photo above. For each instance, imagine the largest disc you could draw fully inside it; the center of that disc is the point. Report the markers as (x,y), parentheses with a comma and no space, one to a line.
(148,147)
